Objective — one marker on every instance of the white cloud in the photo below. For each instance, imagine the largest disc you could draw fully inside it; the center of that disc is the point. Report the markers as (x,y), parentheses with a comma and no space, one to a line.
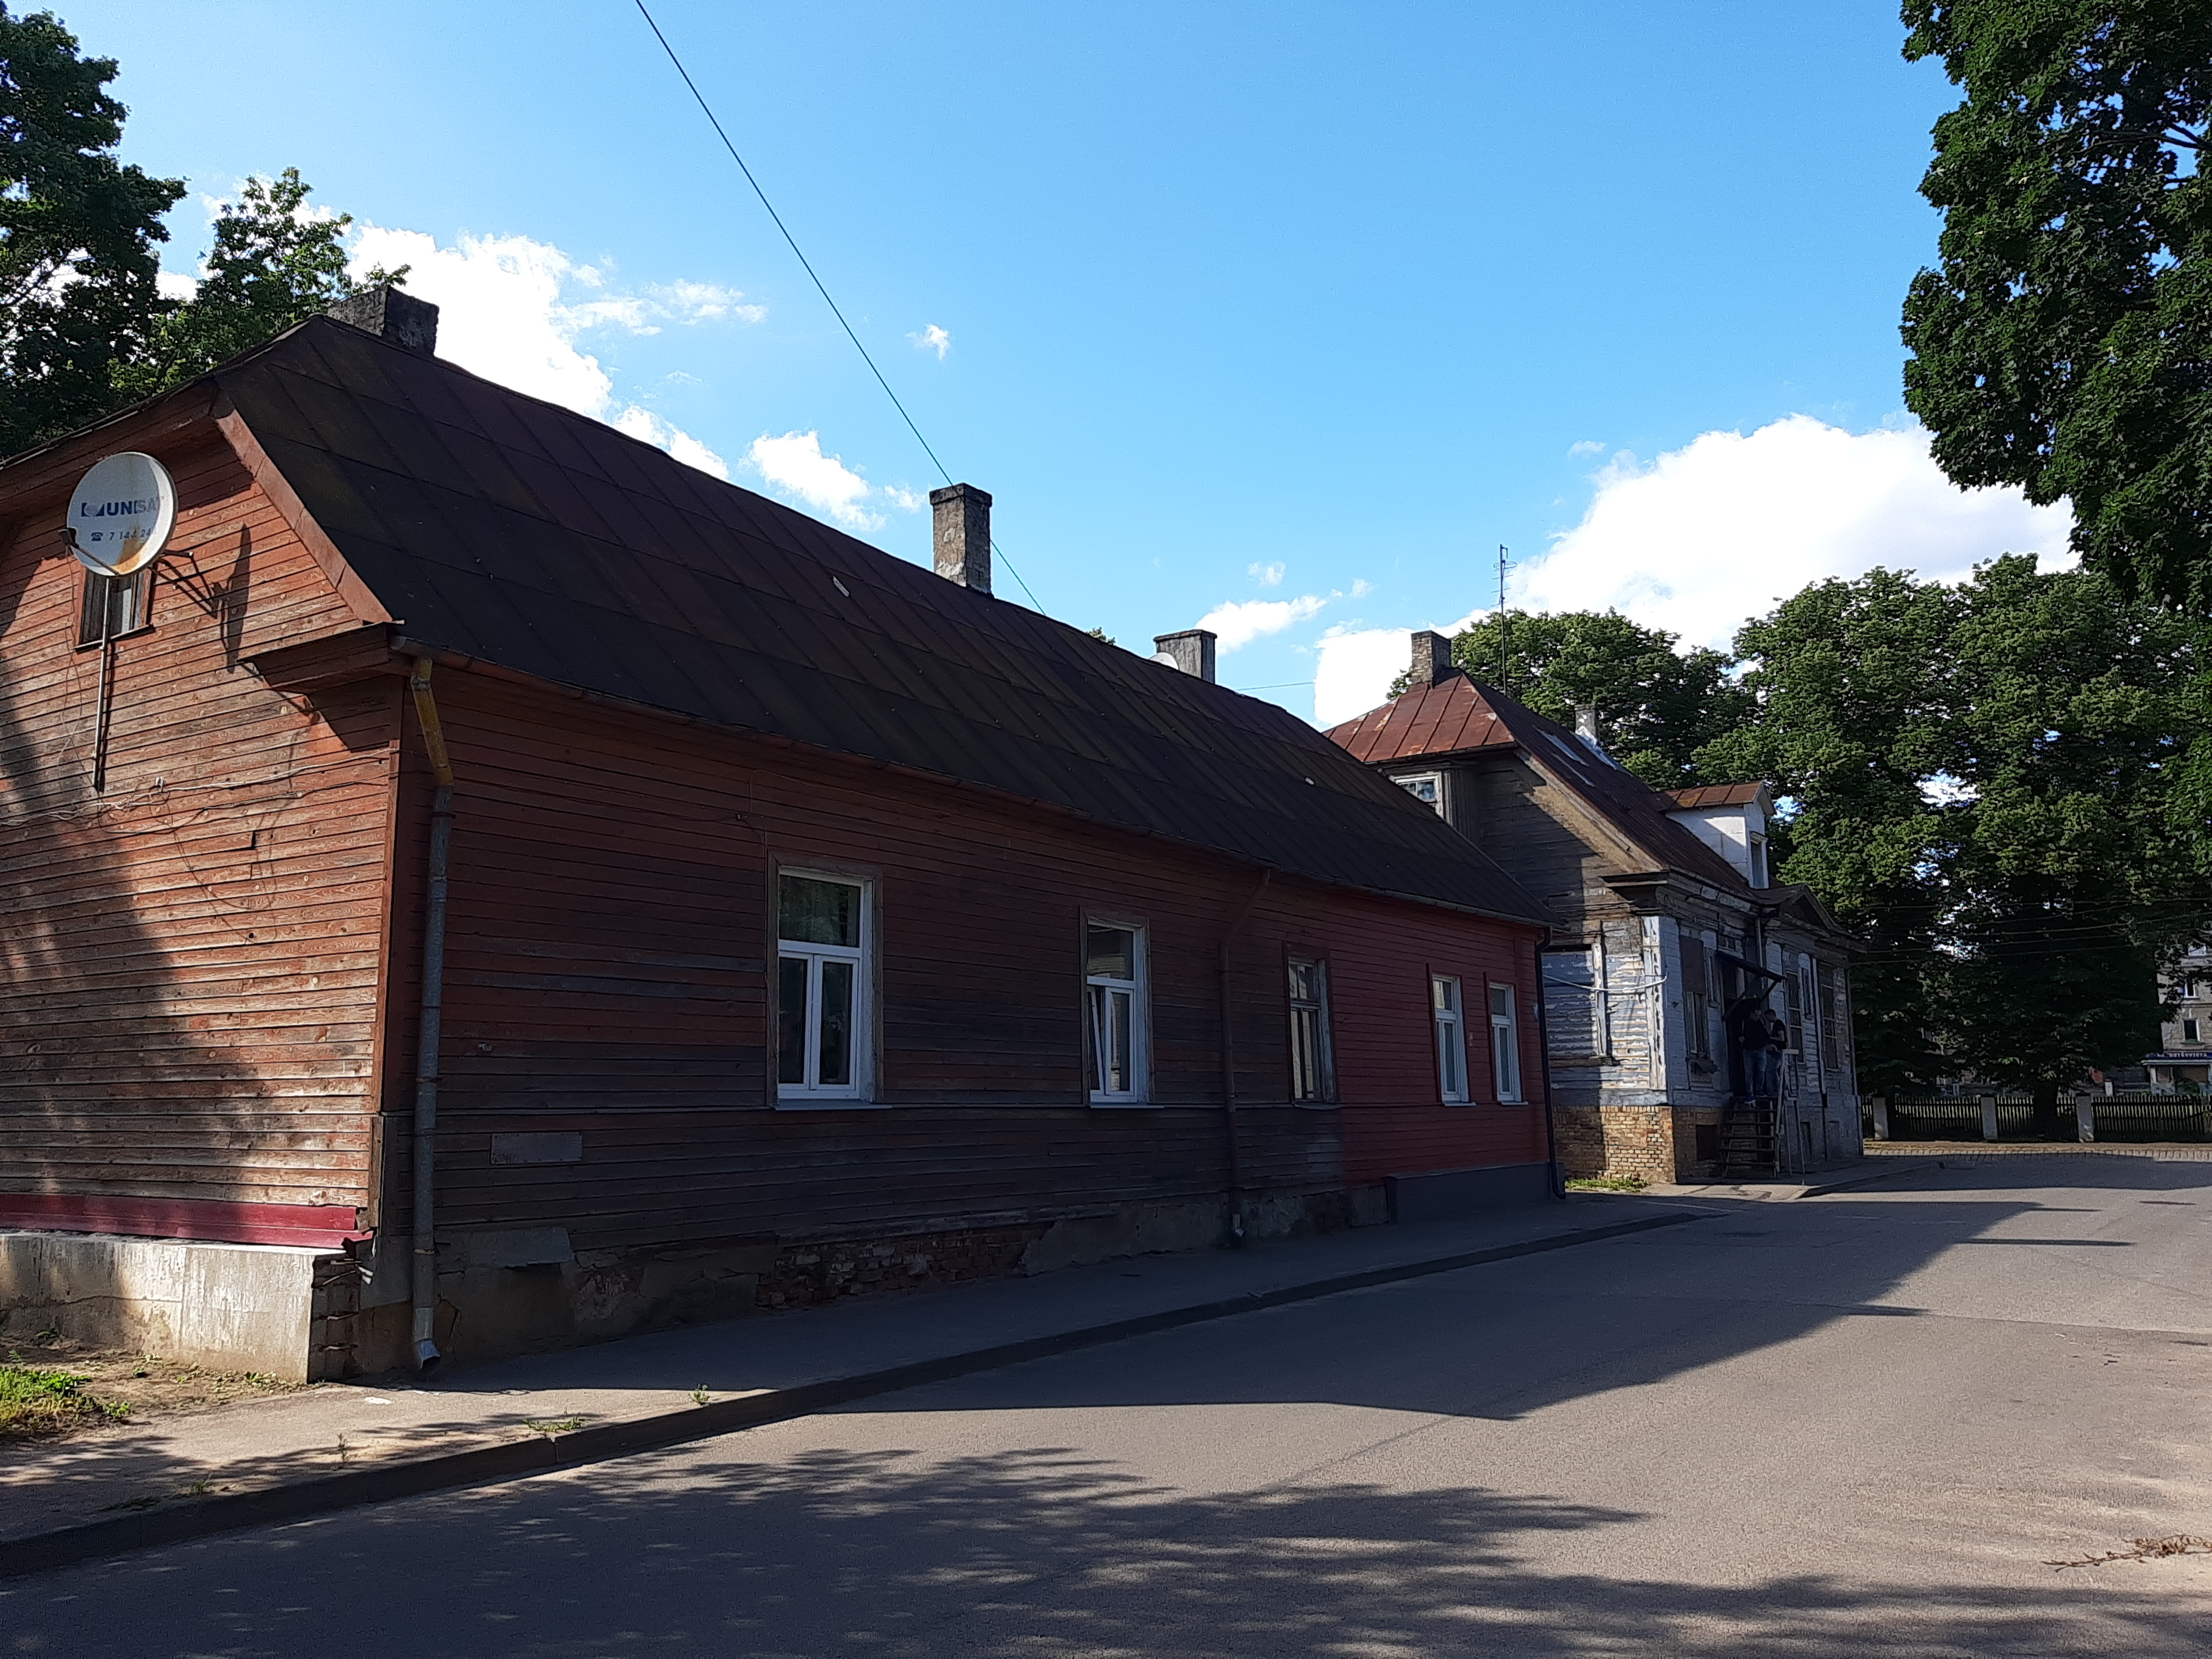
(1267,575)
(514,310)
(795,463)
(171,286)
(645,424)
(1725,528)
(933,338)
(1240,623)
(1586,446)
(1729,525)
(1356,665)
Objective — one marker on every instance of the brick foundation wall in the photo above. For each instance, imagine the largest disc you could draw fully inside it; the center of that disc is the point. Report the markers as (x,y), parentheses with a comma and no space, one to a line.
(1645,1142)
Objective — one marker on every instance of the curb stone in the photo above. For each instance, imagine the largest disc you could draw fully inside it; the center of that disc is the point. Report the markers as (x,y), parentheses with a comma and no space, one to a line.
(484,1465)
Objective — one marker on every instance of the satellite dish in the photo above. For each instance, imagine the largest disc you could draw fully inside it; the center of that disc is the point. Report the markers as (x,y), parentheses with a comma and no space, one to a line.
(120,517)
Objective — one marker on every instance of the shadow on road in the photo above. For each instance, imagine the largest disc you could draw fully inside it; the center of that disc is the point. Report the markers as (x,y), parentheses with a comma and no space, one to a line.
(1030,1551)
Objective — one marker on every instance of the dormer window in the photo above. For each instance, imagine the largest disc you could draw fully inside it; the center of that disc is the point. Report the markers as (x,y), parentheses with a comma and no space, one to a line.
(1427,787)
(1758,850)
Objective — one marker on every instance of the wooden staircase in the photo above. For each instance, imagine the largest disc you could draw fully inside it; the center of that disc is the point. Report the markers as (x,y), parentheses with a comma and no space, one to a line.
(1749,1143)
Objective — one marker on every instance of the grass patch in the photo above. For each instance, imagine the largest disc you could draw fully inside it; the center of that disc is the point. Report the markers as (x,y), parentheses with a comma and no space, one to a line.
(1605,1183)
(35,1400)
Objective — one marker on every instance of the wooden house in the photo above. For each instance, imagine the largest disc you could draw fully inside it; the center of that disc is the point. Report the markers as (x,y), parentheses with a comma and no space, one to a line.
(791,919)
(1669,918)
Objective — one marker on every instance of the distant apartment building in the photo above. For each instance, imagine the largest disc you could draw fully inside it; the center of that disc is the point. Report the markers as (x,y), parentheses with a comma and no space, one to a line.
(2184,1060)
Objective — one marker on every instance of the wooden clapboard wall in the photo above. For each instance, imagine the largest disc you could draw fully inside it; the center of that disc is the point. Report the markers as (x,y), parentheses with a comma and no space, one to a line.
(606,980)
(188,996)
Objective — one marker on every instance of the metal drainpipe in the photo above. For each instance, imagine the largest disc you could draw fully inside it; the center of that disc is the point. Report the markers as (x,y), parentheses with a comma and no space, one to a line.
(423,1280)
(1544,1065)
(1228,1071)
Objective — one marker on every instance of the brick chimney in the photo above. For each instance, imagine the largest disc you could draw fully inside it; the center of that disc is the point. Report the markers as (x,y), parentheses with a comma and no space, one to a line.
(395,315)
(1190,651)
(962,515)
(1432,661)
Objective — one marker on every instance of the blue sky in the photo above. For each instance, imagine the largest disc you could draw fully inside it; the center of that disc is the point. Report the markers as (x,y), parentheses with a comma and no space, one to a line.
(1299,308)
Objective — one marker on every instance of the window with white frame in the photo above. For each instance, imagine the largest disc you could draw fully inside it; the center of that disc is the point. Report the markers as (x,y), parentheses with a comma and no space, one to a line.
(1504,1043)
(1312,1076)
(1114,1012)
(821,988)
(1427,787)
(1451,1037)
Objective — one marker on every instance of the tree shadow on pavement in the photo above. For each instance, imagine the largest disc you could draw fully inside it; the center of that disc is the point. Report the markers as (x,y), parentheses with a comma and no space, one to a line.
(1040,1551)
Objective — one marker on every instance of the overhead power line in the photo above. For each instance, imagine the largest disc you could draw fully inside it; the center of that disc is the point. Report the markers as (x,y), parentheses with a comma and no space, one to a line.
(713,120)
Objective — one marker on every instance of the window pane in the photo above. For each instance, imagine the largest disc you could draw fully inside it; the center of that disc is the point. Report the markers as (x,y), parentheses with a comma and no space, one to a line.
(1446,992)
(791,1019)
(1305,983)
(1305,1053)
(1450,1059)
(1501,1002)
(1111,953)
(835,1068)
(1121,1008)
(819,912)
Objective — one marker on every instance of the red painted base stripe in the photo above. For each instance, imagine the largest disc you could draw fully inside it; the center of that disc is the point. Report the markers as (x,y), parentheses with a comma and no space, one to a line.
(327,1225)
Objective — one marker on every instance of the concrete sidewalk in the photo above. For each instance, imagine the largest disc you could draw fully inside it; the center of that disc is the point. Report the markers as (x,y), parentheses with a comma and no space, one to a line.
(340,1444)
(1864,1173)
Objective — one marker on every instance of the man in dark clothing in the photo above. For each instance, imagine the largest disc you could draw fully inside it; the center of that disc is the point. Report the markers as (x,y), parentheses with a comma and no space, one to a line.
(1762,1038)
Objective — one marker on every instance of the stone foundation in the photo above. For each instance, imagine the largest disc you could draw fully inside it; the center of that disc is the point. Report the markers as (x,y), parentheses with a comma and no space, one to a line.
(304,1315)
(261,1308)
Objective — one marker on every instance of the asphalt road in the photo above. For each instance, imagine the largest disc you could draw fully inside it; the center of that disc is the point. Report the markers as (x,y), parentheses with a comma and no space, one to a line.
(1856,1424)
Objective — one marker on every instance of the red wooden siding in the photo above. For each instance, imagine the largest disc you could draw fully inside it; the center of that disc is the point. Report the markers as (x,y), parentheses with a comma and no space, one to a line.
(188,996)
(606,962)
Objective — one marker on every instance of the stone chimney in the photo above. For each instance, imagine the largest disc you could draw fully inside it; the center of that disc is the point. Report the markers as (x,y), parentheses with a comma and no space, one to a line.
(1190,651)
(962,526)
(395,315)
(1432,661)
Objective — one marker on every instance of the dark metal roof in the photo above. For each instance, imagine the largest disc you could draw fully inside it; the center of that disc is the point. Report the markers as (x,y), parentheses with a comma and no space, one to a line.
(1457,716)
(519,532)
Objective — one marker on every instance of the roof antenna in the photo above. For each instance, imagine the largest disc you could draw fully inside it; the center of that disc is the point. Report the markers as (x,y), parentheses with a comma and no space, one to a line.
(1505,627)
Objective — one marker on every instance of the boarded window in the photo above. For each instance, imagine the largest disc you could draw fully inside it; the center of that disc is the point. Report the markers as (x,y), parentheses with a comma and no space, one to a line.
(1696,996)
(1832,1019)
(1575,1003)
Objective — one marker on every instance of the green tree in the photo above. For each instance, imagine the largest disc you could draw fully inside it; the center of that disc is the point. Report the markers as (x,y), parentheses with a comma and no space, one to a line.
(1657,706)
(2063,341)
(78,234)
(274,262)
(1993,783)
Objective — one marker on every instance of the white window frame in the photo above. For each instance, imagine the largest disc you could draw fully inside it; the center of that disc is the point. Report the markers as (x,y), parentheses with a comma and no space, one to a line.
(1406,780)
(1137,990)
(810,1092)
(1324,1047)
(1450,1027)
(1505,1045)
